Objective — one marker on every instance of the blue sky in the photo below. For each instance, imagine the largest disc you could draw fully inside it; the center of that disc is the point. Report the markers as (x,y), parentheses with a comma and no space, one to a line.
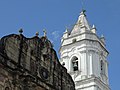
(55,15)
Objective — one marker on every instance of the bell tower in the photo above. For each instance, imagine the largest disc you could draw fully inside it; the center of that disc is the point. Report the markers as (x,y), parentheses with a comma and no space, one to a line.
(84,55)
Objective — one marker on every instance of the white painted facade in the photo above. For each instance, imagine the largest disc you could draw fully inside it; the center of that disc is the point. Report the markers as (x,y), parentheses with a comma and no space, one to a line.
(85,56)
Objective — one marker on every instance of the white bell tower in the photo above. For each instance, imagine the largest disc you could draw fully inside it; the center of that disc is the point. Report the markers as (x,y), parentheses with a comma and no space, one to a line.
(84,55)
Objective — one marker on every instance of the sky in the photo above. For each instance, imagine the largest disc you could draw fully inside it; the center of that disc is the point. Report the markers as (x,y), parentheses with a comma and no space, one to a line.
(55,15)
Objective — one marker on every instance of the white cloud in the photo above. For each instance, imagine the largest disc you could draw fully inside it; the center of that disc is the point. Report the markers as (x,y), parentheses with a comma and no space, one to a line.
(55,35)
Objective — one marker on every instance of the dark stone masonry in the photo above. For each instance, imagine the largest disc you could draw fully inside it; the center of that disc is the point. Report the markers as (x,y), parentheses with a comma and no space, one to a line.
(31,64)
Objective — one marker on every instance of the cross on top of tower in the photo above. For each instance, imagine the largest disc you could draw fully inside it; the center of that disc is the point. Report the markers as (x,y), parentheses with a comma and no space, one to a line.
(45,33)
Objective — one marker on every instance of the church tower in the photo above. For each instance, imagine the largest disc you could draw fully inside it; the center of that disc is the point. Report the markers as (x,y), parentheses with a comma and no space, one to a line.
(84,55)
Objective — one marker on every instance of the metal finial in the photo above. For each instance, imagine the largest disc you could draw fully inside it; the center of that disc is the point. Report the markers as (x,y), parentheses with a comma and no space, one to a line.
(37,33)
(83,12)
(20,31)
(44,31)
(102,36)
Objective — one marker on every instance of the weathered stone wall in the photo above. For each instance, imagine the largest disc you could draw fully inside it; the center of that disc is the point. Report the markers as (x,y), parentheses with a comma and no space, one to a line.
(31,64)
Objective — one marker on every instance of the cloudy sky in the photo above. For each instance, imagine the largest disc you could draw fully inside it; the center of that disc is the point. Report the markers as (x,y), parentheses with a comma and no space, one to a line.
(55,15)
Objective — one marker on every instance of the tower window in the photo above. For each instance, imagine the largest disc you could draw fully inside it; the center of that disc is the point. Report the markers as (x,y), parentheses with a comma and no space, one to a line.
(75,63)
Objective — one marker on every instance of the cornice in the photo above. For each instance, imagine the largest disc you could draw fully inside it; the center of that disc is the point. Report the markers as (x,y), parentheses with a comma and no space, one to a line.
(92,79)
(87,40)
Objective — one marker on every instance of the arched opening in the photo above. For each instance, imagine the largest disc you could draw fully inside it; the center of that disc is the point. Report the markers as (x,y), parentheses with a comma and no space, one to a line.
(75,63)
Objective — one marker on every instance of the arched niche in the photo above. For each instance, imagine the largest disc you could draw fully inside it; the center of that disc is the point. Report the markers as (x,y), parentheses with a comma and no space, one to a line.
(74,63)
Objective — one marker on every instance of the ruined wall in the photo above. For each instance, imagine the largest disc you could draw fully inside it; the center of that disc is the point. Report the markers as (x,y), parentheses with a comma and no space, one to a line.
(31,64)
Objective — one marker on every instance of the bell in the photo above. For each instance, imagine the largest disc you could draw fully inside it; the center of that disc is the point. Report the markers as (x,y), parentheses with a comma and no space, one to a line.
(75,65)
